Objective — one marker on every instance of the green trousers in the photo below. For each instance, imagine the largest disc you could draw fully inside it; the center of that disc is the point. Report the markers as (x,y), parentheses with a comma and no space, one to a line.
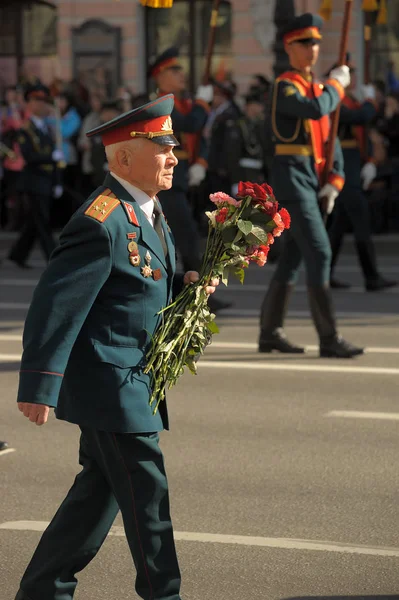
(120,471)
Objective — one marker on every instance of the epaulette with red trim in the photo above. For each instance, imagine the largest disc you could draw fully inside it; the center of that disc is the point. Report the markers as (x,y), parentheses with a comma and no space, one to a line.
(102,206)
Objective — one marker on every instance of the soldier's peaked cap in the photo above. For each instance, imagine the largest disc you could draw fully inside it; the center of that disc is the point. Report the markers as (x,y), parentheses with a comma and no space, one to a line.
(151,121)
(37,91)
(167,60)
(303,28)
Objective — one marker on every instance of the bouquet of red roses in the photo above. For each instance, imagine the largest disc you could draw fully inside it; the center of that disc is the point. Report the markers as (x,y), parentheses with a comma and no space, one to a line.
(240,231)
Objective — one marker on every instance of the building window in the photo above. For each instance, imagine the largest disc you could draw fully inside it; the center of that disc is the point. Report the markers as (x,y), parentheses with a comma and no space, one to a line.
(186,25)
(34,24)
(385,43)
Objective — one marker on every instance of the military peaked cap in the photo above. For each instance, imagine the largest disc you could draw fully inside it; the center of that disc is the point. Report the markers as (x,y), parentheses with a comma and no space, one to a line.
(151,121)
(303,28)
(167,60)
(38,91)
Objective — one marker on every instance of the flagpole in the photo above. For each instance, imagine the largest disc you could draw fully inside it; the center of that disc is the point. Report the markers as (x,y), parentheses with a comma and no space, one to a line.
(335,116)
(211,41)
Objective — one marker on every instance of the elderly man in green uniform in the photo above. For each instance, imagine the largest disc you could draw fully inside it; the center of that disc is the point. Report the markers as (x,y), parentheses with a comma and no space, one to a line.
(300,128)
(86,337)
(351,207)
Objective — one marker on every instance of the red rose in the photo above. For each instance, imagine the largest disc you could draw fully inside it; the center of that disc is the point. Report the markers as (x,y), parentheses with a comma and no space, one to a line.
(222,215)
(268,189)
(260,193)
(245,188)
(286,217)
(270,208)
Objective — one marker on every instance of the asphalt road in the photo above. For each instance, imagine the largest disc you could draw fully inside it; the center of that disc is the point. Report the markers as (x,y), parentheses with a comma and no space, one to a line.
(283,471)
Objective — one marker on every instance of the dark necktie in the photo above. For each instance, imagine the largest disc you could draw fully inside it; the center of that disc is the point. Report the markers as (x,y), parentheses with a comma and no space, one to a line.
(158,228)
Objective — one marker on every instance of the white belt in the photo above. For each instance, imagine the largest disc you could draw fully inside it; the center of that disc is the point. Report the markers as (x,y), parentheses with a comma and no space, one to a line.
(250,163)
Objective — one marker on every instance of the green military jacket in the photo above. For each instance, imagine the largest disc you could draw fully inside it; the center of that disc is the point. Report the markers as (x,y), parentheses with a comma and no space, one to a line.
(299,124)
(92,316)
(39,173)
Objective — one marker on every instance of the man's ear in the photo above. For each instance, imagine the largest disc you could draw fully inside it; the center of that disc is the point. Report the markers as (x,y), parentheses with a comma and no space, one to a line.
(124,157)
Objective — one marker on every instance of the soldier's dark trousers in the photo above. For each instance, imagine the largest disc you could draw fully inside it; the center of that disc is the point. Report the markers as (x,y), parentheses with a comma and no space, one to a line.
(307,239)
(120,471)
(37,226)
(181,220)
(351,209)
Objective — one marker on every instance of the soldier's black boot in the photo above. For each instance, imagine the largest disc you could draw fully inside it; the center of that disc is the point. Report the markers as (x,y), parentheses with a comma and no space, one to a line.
(274,307)
(374,282)
(3,446)
(332,345)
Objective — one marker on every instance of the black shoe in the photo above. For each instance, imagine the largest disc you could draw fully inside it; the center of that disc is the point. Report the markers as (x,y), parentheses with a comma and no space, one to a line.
(278,341)
(376,285)
(3,446)
(215,305)
(336,284)
(339,348)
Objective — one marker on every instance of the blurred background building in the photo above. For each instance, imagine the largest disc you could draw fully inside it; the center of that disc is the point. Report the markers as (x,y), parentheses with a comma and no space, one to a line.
(105,43)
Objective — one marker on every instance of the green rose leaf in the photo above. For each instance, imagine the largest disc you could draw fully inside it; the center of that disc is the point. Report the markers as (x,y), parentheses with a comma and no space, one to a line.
(244,226)
(213,328)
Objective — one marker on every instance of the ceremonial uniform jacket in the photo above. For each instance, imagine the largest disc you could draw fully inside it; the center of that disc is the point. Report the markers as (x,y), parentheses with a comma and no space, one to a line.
(93,314)
(356,146)
(300,127)
(188,120)
(39,172)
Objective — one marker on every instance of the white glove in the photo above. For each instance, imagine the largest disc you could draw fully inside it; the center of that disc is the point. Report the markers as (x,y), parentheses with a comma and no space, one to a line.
(196,174)
(342,75)
(234,190)
(58,191)
(57,156)
(368,92)
(368,174)
(204,92)
(329,193)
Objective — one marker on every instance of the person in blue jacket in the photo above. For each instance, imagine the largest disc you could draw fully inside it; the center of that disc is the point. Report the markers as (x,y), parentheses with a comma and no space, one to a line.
(86,337)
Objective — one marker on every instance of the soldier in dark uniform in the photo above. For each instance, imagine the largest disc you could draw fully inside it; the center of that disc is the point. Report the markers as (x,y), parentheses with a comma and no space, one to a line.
(86,337)
(351,207)
(300,125)
(38,178)
(189,118)
(223,118)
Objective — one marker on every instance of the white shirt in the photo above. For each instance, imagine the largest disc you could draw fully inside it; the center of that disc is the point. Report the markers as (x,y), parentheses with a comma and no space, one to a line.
(143,200)
(39,123)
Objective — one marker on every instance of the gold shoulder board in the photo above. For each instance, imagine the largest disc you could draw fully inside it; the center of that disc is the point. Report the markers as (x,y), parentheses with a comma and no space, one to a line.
(102,206)
(290,90)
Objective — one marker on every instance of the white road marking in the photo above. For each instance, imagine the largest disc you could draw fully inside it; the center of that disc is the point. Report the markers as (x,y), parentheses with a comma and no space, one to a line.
(360,414)
(253,312)
(19,282)
(301,289)
(252,346)
(275,366)
(14,305)
(240,540)
(10,337)
(7,451)
(8,357)
(245,312)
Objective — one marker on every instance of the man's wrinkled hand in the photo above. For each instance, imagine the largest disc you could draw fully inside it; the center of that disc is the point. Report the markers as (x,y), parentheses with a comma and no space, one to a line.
(37,413)
(193,277)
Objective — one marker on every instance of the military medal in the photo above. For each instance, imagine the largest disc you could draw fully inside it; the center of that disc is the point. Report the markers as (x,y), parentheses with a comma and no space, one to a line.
(135,259)
(146,271)
(133,248)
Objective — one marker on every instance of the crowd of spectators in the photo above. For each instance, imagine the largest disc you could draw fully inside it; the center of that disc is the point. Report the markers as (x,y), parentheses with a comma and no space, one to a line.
(235,135)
